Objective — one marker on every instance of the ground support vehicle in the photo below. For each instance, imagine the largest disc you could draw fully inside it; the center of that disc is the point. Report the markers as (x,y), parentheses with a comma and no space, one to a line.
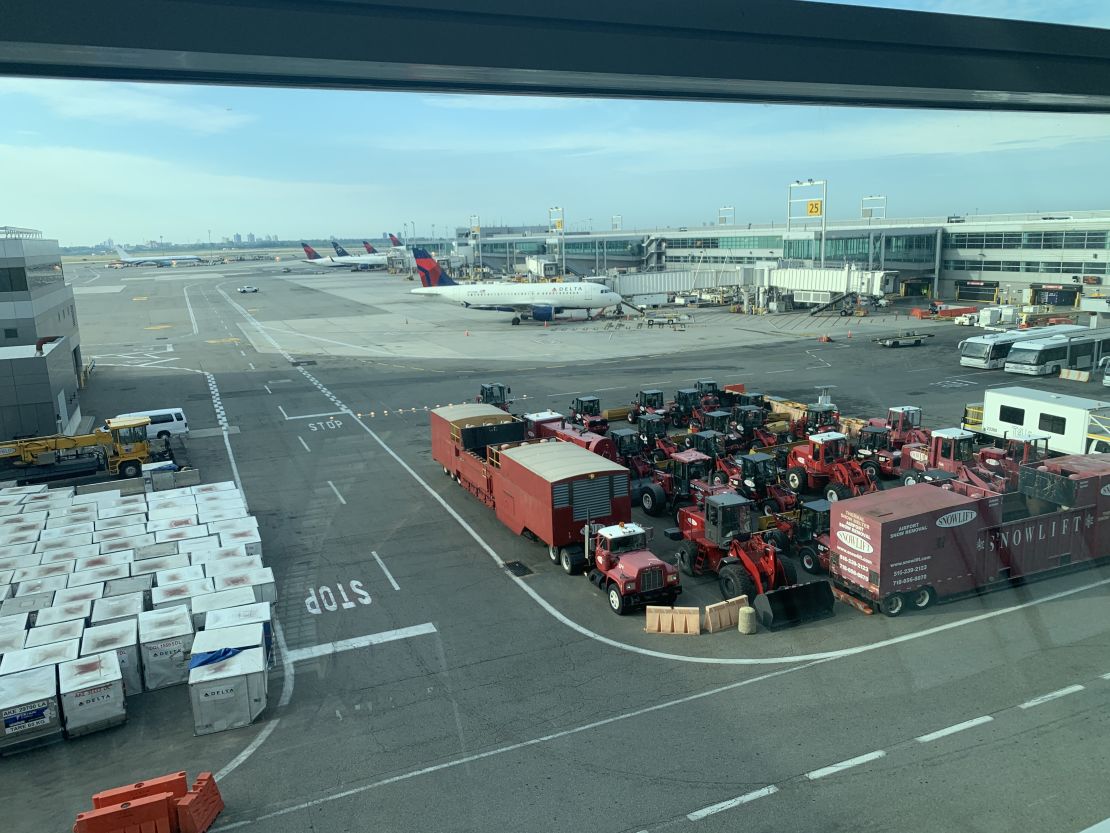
(825,464)
(548,491)
(121,449)
(648,401)
(653,435)
(496,394)
(721,537)
(953,452)
(756,477)
(1073,424)
(904,424)
(680,479)
(622,566)
(709,393)
(632,451)
(751,423)
(816,418)
(586,411)
(551,424)
(876,453)
(894,550)
(909,339)
(686,400)
(721,422)
(808,536)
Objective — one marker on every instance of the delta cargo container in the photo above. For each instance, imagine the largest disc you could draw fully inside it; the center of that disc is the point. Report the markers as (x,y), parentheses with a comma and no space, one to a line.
(898,549)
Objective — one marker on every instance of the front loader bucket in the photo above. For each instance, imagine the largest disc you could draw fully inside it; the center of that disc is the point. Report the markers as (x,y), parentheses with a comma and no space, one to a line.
(787,607)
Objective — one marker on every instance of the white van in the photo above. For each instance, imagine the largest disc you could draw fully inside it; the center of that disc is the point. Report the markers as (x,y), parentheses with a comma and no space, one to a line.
(163,423)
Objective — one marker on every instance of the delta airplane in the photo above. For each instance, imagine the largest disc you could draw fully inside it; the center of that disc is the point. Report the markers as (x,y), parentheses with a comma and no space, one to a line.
(370,260)
(156,260)
(538,301)
(316,259)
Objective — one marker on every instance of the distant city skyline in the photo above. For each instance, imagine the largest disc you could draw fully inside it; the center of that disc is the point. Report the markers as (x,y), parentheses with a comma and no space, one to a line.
(85,161)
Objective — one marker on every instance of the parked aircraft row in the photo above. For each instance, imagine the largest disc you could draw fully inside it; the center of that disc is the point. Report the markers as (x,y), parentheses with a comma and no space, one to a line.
(373,259)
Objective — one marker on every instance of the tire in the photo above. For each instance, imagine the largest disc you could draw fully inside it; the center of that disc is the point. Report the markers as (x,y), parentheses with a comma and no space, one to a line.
(779,540)
(892,605)
(567,562)
(923,598)
(163,435)
(446,471)
(871,469)
(791,573)
(617,602)
(516,321)
(769,507)
(553,554)
(653,500)
(687,555)
(718,478)
(796,478)
(631,418)
(837,491)
(910,480)
(811,562)
(130,469)
(734,581)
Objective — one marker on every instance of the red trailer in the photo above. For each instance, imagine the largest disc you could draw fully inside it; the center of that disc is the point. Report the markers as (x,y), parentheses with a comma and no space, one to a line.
(902,548)
(551,424)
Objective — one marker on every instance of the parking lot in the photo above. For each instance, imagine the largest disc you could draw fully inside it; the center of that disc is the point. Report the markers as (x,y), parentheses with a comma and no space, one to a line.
(472,690)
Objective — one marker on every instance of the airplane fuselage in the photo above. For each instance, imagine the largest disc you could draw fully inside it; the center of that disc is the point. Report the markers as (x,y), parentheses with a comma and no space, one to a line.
(524,296)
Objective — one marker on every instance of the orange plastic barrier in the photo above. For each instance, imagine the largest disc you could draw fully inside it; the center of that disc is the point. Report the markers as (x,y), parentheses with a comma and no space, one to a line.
(200,806)
(149,814)
(174,783)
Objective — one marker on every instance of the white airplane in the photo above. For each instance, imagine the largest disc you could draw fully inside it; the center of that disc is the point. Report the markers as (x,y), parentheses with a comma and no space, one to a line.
(316,259)
(156,260)
(370,260)
(538,301)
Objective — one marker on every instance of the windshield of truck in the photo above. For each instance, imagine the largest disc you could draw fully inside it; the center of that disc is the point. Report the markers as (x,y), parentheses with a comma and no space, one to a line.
(628,543)
(130,436)
(653,400)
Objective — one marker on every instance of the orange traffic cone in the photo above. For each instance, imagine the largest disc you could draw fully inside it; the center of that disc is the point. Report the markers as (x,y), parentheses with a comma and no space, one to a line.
(466,332)
(849,334)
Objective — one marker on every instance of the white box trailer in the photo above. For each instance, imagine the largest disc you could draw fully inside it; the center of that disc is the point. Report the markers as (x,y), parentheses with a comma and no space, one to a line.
(1072,424)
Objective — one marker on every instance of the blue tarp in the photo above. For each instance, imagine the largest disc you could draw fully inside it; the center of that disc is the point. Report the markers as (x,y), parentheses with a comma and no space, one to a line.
(210,657)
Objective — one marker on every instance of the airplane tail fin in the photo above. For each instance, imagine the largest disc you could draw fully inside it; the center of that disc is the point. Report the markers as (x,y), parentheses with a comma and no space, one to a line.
(395,240)
(310,252)
(431,274)
(370,250)
(121,252)
(339,250)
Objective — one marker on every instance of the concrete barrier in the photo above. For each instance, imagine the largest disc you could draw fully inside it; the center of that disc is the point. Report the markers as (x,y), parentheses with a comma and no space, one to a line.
(724,615)
(673,620)
(1075,375)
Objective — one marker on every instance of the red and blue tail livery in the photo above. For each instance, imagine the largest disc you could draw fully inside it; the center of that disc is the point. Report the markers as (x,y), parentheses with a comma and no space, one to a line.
(339,250)
(310,252)
(395,240)
(430,272)
(370,250)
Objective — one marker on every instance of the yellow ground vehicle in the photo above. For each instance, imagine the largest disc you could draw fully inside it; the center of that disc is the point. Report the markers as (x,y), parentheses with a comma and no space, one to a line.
(120,448)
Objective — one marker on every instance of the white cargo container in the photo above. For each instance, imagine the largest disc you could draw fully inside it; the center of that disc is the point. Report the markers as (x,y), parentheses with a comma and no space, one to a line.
(211,542)
(76,594)
(238,637)
(26,604)
(108,559)
(205,556)
(29,709)
(99,575)
(91,690)
(39,656)
(12,639)
(248,538)
(118,608)
(183,593)
(64,613)
(18,622)
(185,533)
(165,639)
(58,632)
(64,531)
(34,586)
(243,615)
(123,638)
(69,541)
(71,553)
(156,565)
(156,551)
(132,543)
(134,584)
(117,532)
(19,562)
(261,580)
(221,599)
(105,525)
(1072,424)
(228,694)
(174,522)
(179,575)
(53,568)
(232,564)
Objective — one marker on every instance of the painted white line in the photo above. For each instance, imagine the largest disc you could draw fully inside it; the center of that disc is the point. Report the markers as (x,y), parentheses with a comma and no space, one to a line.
(1106,676)
(341,498)
(248,750)
(251,365)
(376,350)
(314,416)
(189,306)
(697,815)
(569,393)
(1052,695)
(283,412)
(267,387)
(843,765)
(513,747)
(957,727)
(306,448)
(385,570)
(329,648)
(241,353)
(788,370)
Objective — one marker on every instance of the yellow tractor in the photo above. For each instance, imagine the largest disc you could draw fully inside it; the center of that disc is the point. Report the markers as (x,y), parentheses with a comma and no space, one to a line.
(120,448)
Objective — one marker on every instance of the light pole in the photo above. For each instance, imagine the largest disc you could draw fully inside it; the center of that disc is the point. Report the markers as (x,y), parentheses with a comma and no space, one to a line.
(813,207)
(556,220)
(413,222)
(476,235)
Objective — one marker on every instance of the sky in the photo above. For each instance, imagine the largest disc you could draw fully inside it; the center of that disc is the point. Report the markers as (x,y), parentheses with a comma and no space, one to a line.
(87,161)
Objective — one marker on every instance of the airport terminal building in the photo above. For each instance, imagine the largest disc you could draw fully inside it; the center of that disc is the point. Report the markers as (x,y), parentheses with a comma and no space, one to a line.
(1048,258)
(40,342)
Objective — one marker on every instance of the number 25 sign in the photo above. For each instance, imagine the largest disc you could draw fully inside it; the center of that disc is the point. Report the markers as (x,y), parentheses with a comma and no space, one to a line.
(813,208)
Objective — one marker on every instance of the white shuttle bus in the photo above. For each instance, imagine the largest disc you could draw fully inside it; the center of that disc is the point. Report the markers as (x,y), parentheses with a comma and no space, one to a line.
(1042,357)
(990,351)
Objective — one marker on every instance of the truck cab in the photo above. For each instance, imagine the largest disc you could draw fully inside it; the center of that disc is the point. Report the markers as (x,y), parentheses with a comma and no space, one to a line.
(685,401)
(626,570)
(904,422)
(819,417)
(496,394)
(586,411)
(647,401)
(710,443)
(627,442)
(709,393)
(684,476)
(747,418)
(651,426)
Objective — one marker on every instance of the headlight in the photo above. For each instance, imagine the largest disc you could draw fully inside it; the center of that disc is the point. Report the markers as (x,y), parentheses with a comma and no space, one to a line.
(749,483)
(630,587)
(672,578)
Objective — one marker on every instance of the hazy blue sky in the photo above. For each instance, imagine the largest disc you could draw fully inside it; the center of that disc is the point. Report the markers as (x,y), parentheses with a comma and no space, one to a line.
(85,161)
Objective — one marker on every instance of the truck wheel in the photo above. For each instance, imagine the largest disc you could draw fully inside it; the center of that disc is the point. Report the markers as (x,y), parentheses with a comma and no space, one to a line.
(553,554)
(687,557)
(923,598)
(734,581)
(910,479)
(130,469)
(892,605)
(568,562)
(811,562)
(653,499)
(447,471)
(796,478)
(871,469)
(769,507)
(837,491)
(631,417)
(163,435)
(617,603)
(718,478)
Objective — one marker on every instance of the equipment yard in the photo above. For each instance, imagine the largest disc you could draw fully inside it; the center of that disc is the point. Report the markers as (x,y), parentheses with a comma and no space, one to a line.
(437,671)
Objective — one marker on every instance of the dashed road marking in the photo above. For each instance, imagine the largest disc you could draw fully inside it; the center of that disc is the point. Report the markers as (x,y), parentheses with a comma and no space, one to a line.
(306,448)
(393,582)
(1052,695)
(951,730)
(697,815)
(342,499)
(826,771)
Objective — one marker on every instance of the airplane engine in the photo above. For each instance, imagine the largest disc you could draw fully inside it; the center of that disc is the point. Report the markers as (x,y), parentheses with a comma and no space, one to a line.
(544,312)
